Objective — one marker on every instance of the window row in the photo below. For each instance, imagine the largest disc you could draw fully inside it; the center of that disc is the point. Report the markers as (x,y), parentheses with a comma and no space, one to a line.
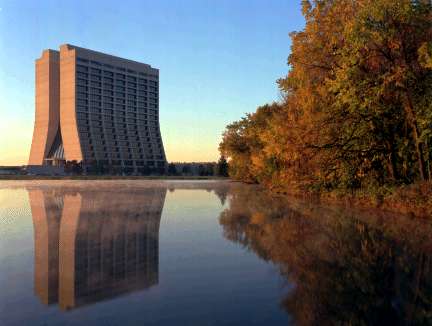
(108,123)
(118,109)
(96,118)
(117,130)
(106,134)
(102,146)
(91,154)
(119,97)
(128,81)
(82,66)
(95,133)
(127,162)
(108,83)
(118,147)
(120,103)
(119,90)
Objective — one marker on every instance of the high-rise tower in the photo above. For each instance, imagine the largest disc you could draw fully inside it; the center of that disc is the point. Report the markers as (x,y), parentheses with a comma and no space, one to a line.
(97,109)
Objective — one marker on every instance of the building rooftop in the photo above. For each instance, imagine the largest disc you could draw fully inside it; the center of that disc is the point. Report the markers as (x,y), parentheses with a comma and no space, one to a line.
(109,56)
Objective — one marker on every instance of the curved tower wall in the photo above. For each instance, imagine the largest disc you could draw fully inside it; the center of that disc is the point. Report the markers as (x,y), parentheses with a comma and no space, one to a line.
(68,119)
(47,106)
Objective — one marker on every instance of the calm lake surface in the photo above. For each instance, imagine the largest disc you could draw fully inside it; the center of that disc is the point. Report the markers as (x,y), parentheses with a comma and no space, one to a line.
(204,253)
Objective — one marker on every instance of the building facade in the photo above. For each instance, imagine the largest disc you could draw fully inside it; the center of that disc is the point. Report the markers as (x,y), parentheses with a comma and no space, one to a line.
(97,109)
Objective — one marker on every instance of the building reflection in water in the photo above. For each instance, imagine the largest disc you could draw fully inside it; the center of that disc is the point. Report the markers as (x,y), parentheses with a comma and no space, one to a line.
(94,245)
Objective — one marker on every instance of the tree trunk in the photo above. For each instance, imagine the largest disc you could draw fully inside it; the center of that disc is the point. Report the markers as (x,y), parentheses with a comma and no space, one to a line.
(428,159)
(409,109)
(391,162)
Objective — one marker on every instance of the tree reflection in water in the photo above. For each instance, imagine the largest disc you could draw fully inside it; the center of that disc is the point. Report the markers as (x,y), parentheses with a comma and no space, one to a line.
(343,267)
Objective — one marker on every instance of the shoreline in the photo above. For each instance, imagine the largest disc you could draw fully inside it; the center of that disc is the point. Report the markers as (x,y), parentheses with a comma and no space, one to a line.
(99,184)
(413,200)
(107,177)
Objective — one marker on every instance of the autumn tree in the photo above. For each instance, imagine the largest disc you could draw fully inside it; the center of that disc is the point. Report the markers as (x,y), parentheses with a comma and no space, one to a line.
(244,145)
(356,109)
(383,90)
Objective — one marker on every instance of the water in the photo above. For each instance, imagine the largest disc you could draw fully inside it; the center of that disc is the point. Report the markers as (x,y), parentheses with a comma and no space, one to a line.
(204,253)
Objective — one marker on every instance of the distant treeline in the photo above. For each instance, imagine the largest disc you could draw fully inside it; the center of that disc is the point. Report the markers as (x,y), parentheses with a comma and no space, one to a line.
(219,169)
(357,102)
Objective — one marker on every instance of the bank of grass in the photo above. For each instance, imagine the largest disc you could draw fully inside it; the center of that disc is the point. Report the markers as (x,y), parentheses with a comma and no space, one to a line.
(414,199)
(107,177)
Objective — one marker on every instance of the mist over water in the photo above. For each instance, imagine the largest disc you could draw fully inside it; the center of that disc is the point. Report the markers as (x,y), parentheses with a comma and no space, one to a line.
(204,253)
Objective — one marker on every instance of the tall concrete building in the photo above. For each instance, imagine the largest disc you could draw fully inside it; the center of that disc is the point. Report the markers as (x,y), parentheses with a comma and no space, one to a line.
(97,109)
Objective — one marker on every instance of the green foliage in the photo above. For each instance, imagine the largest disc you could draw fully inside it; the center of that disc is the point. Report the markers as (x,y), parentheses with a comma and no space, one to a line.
(357,107)
(73,167)
(186,170)
(425,55)
(172,170)
(222,167)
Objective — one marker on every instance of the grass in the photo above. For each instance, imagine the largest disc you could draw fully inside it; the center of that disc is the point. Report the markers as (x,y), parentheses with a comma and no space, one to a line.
(414,199)
(107,177)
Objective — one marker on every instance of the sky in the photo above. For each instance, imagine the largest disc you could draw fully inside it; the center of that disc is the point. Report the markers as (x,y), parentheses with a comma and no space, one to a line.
(217,59)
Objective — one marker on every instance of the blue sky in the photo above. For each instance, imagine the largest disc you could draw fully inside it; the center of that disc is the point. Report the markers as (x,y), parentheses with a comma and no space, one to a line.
(218,59)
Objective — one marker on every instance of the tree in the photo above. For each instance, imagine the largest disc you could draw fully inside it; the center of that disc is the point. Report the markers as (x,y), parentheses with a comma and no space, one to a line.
(356,108)
(73,167)
(243,143)
(172,170)
(210,168)
(201,170)
(222,167)
(186,170)
(381,82)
